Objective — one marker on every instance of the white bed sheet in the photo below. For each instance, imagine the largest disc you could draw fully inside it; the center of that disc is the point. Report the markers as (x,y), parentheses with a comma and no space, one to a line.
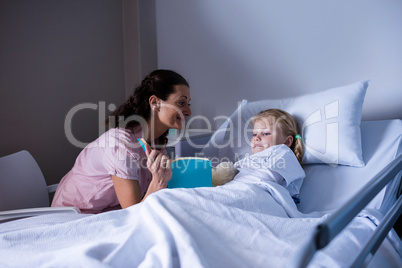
(326,188)
(227,226)
(235,225)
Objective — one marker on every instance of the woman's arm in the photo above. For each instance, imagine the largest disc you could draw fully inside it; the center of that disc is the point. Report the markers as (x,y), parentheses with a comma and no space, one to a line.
(159,165)
(128,191)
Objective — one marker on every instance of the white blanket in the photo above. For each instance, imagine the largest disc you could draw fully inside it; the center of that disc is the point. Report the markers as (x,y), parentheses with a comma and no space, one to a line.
(235,225)
(277,163)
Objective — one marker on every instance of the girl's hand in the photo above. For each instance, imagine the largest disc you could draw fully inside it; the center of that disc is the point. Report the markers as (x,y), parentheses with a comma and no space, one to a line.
(159,165)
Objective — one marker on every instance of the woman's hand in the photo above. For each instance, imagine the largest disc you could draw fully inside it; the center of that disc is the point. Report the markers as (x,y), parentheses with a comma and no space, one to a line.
(129,191)
(160,167)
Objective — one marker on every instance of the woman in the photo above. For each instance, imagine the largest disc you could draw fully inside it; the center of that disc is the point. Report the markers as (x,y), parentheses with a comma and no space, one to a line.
(113,171)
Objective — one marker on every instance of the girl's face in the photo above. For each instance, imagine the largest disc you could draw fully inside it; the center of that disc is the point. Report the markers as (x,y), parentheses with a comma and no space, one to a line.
(266,134)
(174,111)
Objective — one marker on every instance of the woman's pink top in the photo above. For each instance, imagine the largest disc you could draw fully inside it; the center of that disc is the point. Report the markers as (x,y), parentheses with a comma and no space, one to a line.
(89,185)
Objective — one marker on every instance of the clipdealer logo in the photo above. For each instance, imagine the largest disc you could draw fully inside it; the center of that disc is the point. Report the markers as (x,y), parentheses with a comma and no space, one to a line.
(325,148)
(326,118)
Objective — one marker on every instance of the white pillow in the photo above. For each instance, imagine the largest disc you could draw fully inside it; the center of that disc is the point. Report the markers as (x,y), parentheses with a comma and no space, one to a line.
(329,123)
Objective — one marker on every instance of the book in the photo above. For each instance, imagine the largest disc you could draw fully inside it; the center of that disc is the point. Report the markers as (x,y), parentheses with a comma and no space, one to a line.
(188,172)
(191,172)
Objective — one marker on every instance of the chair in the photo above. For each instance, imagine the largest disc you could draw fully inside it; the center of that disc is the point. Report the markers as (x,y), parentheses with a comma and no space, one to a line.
(23,189)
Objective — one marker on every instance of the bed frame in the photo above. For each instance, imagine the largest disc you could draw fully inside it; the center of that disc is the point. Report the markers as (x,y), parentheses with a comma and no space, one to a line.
(331,227)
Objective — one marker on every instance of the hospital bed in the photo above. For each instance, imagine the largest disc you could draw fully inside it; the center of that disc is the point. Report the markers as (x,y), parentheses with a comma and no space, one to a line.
(240,225)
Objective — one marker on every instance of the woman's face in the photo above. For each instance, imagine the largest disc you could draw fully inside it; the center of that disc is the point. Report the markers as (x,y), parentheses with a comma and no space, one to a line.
(174,111)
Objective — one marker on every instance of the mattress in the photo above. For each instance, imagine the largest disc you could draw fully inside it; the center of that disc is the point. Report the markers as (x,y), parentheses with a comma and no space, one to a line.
(332,186)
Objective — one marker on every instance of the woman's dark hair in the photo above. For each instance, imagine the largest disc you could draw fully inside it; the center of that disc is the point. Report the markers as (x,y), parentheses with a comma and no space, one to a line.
(159,83)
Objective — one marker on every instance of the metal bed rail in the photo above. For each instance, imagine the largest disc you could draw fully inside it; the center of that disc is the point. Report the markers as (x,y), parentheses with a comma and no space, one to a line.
(336,222)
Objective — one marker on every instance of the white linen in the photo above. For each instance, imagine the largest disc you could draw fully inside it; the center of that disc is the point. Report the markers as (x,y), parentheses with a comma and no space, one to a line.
(276,164)
(235,225)
(329,123)
(326,188)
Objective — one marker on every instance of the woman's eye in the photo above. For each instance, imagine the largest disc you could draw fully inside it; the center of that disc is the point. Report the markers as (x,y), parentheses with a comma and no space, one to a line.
(183,103)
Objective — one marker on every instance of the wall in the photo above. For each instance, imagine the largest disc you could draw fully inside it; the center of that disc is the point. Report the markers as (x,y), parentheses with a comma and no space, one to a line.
(147,36)
(56,55)
(235,49)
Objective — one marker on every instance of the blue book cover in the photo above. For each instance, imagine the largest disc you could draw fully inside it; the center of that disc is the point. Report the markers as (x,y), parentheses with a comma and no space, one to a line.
(189,172)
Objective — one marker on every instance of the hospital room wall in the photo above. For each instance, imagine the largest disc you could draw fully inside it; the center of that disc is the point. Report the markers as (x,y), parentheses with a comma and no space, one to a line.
(55,56)
(234,49)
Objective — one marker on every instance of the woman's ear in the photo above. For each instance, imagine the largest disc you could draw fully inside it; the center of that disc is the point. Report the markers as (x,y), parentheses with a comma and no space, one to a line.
(154,103)
(289,141)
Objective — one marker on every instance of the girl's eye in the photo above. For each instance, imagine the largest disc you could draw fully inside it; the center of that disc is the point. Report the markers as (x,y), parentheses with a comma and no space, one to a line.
(254,135)
(267,134)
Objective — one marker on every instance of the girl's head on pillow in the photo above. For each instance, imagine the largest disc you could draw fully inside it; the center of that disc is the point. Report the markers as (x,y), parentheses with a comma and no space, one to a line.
(273,127)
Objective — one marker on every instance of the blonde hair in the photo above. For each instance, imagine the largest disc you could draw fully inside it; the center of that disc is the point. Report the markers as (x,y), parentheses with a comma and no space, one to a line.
(287,124)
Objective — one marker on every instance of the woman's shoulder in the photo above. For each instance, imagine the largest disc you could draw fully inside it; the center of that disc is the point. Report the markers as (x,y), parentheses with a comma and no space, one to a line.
(117,137)
(123,133)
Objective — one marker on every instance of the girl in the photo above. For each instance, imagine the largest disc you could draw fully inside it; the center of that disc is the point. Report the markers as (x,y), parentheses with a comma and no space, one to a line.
(277,152)
(113,171)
